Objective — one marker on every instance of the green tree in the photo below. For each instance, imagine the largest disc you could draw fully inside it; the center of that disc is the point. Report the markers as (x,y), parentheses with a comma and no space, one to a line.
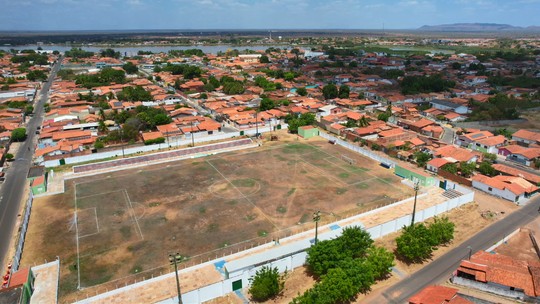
(18,134)
(330,91)
(486,168)
(130,68)
(110,53)
(442,230)
(456,65)
(266,284)
(137,93)
(489,157)
(503,131)
(9,156)
(344,91)
(233,87)
(267,104)
(381,261)
(301,91)
(467,168)
(356,241)
(421,158)
(28,110)
(264,59)
(36,75)
(451,168)
(324,256)
(415,243)
(353,64)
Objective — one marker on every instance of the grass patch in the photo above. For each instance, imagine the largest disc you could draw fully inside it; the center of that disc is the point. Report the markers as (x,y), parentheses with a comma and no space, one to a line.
(136,269)
(233,202)
(125,231)
(362,186)
(340,191)
(250,217)
(224,244)
(202,210)
(243,182)
(303,171)
(213,227)
(305,217)
(137,246)
(280,158)
(297,148)
(385,180)
(281,209)
(119,212)
(291,191)
(154,204)
(262,233)
(344,175)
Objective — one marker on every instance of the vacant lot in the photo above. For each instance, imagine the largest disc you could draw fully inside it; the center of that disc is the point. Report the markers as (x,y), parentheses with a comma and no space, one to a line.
(124,224)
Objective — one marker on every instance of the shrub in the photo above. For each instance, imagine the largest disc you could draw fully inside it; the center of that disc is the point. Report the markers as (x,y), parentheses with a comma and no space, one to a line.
(266,284)
(158,140)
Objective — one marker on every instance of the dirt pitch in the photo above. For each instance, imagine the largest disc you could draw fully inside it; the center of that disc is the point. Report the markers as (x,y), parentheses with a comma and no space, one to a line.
(123,224)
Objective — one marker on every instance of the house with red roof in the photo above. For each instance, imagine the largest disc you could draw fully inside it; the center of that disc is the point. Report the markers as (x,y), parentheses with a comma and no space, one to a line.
(526,137)
(521,155)
(501,274)
(436,294)
(514,189)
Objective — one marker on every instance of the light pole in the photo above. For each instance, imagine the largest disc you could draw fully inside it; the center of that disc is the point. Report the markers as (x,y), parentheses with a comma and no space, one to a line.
(192,135)
(470,252)
(174,259)
(416,188)
(256,124)
(316,219)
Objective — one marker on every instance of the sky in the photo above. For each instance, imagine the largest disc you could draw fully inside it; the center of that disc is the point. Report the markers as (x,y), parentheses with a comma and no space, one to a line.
(259,14)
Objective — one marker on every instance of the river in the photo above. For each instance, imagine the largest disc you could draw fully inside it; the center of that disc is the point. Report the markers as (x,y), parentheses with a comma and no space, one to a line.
(132,50)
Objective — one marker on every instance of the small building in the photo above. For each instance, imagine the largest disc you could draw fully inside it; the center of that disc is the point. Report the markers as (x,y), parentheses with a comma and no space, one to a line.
(308,131)
(39,185)
(20,288)
(436,294)
(514,189)
(414,174)
(446,105)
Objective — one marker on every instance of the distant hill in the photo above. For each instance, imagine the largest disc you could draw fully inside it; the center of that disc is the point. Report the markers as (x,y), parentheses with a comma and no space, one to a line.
(475,27)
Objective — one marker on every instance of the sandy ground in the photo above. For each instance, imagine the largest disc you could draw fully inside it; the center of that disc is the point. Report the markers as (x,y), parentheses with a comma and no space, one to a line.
(468,219)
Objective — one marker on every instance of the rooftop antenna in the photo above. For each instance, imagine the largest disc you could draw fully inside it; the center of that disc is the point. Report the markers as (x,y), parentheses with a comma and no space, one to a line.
(383,28)
(270,35)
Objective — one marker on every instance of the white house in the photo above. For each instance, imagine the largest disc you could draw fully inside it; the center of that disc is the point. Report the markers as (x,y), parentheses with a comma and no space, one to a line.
(446,105)
(526,137)
(514,189)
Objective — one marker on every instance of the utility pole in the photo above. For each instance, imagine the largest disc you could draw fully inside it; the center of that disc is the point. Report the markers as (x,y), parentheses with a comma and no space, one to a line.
(316,219)
(416,188)
(174,259)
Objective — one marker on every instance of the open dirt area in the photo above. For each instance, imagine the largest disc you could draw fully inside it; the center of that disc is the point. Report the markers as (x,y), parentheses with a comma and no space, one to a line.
(118,225)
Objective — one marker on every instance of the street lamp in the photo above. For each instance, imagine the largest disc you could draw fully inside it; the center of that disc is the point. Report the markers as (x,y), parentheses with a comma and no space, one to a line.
(316,219)
(416,188)
(174,259)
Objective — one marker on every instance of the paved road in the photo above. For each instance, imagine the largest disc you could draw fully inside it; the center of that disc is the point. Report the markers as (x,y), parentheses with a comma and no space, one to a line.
(448,135)
(442,268)
(13,188)
(502,160)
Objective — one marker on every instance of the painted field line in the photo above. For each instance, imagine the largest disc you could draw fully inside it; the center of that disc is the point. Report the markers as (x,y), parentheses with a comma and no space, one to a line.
(243,195)
(132,211)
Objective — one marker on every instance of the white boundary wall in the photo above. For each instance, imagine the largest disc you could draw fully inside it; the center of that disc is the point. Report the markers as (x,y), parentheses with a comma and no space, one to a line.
(359,149)
(292,260)
(156,147)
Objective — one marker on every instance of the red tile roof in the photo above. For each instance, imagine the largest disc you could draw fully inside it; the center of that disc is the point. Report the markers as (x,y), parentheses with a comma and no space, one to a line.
(438,295)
